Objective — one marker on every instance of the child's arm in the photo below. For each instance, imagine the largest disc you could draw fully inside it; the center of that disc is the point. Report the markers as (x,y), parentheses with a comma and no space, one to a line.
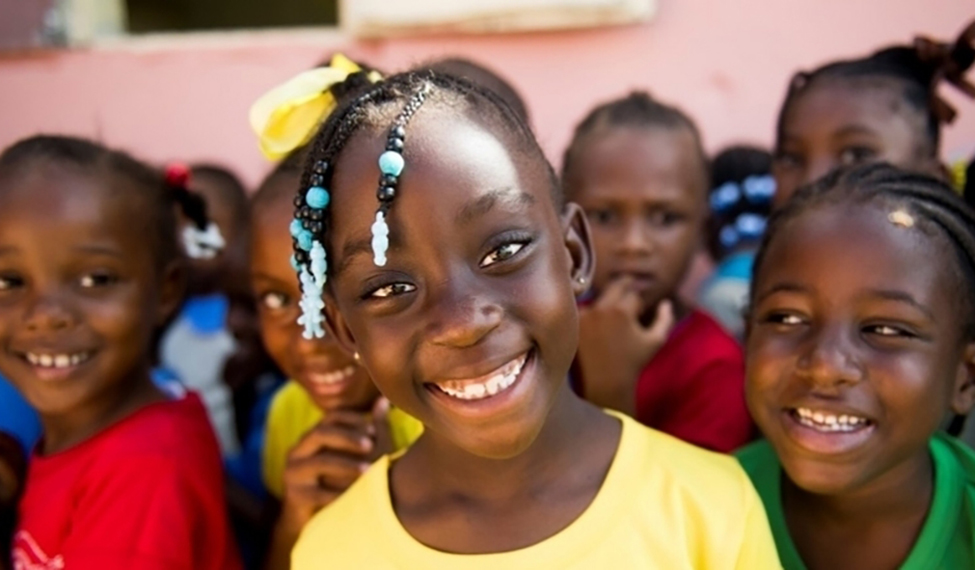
(614,347)
(327,460)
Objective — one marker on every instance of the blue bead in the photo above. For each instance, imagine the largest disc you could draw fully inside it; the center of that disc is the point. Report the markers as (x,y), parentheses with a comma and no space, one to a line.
(294,263)
(317,197)
(391,162)
(296,228)
(304,240)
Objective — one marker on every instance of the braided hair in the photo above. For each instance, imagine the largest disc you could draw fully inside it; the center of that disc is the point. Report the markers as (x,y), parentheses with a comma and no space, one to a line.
(913,73)
(636,110)
(375,108)
(163,192)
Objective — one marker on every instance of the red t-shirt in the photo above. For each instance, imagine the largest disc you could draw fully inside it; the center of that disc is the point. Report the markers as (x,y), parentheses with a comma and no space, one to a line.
(694,387)
(145,493)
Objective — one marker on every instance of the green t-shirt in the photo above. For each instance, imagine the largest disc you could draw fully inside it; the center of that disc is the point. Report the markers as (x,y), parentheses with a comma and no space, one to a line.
(947,540)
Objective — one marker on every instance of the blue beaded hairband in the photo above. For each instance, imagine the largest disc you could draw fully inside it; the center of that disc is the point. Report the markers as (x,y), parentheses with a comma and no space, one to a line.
(309,260)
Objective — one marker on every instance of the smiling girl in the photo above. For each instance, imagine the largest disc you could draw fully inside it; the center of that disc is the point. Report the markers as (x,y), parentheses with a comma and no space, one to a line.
(125,475)
(861,342)
(455,280)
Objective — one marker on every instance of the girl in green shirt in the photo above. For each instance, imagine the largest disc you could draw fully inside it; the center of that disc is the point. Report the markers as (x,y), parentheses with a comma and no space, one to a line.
(861,342)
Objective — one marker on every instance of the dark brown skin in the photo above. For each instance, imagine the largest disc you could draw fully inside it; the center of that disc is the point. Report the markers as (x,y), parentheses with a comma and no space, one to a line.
(482,269)
(75,276)
(355,430)
(846,323)
(844,122)
(644,193)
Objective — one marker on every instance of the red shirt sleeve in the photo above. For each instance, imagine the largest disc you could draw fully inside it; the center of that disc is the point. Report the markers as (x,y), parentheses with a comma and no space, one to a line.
(145,512)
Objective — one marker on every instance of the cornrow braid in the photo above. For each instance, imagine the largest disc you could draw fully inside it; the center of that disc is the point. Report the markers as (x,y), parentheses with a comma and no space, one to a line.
(930,200)
(309,230)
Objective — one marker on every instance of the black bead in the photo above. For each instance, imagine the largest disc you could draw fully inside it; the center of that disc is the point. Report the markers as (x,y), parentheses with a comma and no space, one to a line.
(315,215)
(315,227)
(386,193)
(394,144)
(317,179)
(397,132)
(299,201)
(388,180)
(320,167)
(305,212)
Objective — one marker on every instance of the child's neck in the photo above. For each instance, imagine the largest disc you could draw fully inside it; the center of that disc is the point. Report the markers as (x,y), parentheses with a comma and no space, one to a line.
(66,430)
(874,526)
(457,502)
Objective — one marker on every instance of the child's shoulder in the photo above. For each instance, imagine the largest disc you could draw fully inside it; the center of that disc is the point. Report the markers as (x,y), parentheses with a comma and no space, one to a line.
(351,524)
(677,465)
(174,431)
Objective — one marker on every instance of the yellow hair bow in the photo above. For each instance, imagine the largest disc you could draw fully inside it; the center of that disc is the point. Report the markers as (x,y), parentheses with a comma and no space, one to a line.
(288,116)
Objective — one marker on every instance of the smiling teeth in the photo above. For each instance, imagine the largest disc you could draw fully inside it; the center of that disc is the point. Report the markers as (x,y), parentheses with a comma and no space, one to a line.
(57,360)
(826,422)
(485,387)
(334,377)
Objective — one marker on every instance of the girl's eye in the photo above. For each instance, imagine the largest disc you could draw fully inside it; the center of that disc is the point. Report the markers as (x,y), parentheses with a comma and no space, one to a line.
(274,301)
(8,282)
(786,319)
(503,253)
(886,331)
(93,280)
(785,159)
(664,219)
(602,216)
(856,155)
(392,290)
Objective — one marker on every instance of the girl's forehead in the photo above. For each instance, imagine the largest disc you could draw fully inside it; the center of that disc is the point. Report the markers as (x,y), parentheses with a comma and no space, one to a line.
(875,245)
(448,158)
(876,102)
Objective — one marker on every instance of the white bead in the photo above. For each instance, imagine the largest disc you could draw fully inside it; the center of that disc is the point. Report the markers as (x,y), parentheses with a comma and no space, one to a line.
(380,240)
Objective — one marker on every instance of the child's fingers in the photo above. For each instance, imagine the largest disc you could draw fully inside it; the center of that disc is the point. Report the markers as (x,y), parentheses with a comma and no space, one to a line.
(333,437)
(352,419)
(614,292)
(663,322)
(333,470)
(631,303)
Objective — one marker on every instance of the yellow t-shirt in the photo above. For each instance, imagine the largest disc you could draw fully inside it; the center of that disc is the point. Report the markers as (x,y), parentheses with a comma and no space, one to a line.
(664,504)
(293,413)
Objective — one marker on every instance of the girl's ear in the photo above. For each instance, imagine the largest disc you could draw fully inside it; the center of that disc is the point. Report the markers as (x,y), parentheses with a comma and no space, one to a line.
(963,395)
(578,243)
(336,328)
(172,290)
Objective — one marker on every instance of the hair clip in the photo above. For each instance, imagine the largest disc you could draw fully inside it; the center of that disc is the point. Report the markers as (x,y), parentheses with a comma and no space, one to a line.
(288,116)
(901,218)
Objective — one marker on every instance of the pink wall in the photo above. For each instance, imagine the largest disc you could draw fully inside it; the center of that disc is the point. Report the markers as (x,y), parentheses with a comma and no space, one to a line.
(725,61)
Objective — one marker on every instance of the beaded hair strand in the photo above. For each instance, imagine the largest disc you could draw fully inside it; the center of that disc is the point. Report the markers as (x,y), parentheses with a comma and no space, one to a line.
(309,217)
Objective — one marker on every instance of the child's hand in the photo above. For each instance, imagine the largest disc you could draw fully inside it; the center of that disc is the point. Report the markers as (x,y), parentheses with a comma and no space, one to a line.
(327,460)
(614,347)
